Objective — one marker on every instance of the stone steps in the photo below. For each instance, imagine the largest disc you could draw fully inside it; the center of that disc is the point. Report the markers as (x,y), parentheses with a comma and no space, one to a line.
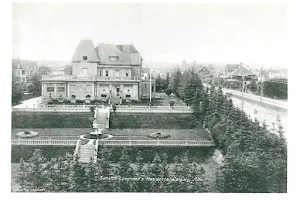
(85,153)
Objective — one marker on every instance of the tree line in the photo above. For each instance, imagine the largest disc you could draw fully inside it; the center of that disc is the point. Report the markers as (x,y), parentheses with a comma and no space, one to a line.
(66,174)
(255,160)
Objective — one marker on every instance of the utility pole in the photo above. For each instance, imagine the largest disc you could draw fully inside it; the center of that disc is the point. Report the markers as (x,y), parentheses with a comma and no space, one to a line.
(150,88)
(243,80)
(261,84)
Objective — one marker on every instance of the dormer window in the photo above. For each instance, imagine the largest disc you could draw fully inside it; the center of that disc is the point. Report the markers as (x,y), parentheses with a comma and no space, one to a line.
(84,57)
(113,57)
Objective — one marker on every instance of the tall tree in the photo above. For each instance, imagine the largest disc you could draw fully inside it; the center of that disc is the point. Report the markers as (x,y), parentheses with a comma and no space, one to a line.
(22,175)
(68,70)
(92,176)
(36,173)
(175,82)
(17,90)
(77,176)
(37,77)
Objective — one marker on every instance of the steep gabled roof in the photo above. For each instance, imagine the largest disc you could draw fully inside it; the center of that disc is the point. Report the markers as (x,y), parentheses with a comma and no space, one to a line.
(242,71)
(106,50)
(232,66)
(85,48)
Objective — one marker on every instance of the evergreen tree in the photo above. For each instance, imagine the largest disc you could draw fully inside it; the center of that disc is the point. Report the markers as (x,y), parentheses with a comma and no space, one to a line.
(77,176)
(125,171)
(36,170)
(92,176)
(52,176)
(175,82)
(22,175)
(105,168)
(17,90)
(139,186)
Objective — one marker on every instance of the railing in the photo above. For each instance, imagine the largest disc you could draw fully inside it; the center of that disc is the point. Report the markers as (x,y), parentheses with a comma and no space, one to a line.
(78,143)
(90,78)
(53,109)
(46,77)
(44,142)
(114,143)
(81,78)
(155,109)
(113,78)
(155,143)
(107,119)
(86,108)
(96,151)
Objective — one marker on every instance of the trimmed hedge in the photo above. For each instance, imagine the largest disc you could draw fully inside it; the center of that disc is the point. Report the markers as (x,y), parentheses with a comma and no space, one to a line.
(25,152)
(153,120)
(51,120)
(197,154)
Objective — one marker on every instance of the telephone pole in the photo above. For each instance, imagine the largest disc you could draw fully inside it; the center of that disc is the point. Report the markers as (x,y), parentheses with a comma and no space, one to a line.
(261,84)
(150,87)
(243,80)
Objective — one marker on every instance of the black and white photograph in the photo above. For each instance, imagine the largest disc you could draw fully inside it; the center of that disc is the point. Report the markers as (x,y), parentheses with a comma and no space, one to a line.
(149,97)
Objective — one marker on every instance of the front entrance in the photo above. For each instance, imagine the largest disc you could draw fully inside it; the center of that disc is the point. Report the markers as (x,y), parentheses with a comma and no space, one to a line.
(118,92)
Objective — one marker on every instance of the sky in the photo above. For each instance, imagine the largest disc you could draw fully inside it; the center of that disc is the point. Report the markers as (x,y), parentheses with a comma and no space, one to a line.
(230,33)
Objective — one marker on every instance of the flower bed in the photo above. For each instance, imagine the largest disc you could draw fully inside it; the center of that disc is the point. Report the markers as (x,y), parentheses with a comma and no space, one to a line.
(158,135)
(27,134)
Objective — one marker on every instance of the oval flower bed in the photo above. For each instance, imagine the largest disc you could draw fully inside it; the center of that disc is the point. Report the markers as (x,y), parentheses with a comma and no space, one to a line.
(27,134)
(158,135)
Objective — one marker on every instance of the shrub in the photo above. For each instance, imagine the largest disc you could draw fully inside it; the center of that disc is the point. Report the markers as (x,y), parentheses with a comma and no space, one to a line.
(168,91)
(171,103)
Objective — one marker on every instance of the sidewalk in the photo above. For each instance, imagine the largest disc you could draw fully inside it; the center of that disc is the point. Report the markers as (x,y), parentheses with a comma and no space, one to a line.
(30,103)
(276,102)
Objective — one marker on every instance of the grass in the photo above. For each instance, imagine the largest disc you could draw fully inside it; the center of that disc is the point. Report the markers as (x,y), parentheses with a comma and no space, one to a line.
(176,134)
(51,120)
(153,120)
(62,133)
(119,134)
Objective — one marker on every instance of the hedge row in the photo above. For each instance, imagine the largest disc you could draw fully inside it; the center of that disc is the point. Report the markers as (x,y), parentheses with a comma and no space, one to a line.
(51,120)
(198,154)
(153,120)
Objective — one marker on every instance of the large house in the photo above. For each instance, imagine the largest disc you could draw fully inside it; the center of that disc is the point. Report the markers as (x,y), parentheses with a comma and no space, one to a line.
(24,69)
(105,72)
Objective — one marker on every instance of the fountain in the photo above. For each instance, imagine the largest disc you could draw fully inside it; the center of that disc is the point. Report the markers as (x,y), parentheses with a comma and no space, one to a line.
(98,133)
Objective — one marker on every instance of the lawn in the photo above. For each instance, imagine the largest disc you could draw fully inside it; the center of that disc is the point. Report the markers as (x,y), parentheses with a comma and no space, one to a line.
(176,134)
(59,133)
(153,120)
(119,134)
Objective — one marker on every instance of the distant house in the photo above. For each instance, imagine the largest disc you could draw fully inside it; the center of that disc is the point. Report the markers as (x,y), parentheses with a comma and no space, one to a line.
(205,74)
(206,71)
(230,68)
(24,69)
(145,73)
(277,73)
